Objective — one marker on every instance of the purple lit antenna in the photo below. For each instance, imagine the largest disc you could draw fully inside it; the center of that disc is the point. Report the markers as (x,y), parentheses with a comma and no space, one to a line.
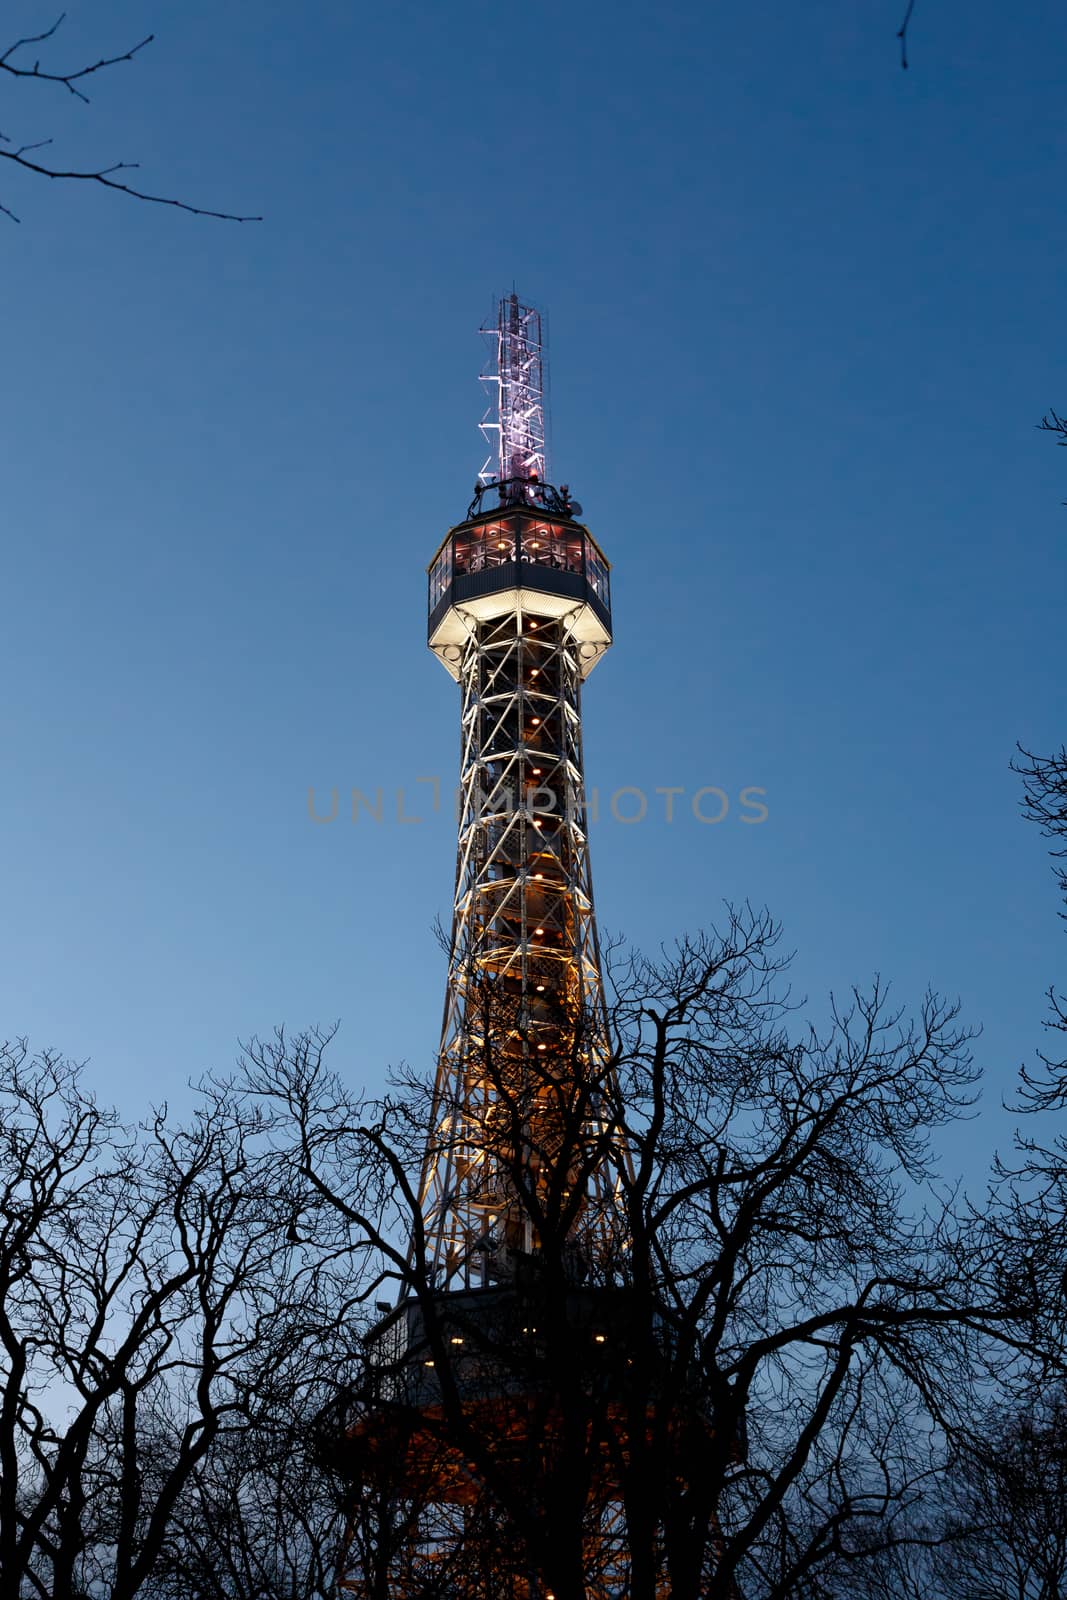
(517,368)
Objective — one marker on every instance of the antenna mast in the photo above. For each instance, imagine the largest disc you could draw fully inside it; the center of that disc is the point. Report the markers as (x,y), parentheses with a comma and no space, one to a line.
(517,370)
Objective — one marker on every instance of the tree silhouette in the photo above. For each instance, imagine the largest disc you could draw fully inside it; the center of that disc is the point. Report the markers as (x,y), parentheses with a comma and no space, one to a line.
(754,1383)
(158,1335)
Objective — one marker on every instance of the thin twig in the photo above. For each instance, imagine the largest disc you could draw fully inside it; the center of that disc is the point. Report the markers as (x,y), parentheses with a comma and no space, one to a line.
(902,35)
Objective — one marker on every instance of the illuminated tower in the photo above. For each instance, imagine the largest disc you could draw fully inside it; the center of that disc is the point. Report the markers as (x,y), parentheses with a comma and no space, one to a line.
(490,1382)
(519,614)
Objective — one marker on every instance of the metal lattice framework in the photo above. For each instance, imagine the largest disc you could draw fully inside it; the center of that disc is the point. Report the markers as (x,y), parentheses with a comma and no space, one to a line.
(454,1549)
(524,943)
(514,424)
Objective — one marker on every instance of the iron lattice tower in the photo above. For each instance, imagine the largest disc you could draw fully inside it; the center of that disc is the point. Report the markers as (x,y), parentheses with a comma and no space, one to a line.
(520,614)
(477,1374)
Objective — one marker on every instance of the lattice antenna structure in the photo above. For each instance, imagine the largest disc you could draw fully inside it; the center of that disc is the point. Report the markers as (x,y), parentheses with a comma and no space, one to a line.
(514,422)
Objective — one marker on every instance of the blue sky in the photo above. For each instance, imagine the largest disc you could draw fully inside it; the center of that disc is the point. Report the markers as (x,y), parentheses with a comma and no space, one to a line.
(805,310)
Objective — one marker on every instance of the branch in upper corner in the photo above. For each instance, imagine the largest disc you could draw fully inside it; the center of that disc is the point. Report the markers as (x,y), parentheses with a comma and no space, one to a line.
(902,35)
(67,79)
(104,176)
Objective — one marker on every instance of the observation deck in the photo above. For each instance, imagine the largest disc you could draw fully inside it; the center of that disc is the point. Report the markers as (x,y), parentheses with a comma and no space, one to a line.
(500,1353)
(527,554)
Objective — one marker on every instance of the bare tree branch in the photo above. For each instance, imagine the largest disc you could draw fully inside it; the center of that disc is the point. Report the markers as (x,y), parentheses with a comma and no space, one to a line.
(102,175)
(902,34)
(69,80)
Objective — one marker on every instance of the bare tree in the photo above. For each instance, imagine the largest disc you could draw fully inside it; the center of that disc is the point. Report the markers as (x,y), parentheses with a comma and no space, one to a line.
(993,1527)
(20,66)
(1053,423)
(262,1517)
(746,1341)
(764,1372)
(836,1318)
(1045,803)
(1045,799)
(1008,1497)
(1033,1190)
(159,1326)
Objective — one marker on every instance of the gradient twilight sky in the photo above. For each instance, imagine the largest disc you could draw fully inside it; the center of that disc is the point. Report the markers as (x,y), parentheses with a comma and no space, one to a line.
(805,311)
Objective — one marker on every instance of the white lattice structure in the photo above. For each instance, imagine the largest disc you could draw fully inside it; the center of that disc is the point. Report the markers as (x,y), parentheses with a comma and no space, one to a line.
(514,424)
